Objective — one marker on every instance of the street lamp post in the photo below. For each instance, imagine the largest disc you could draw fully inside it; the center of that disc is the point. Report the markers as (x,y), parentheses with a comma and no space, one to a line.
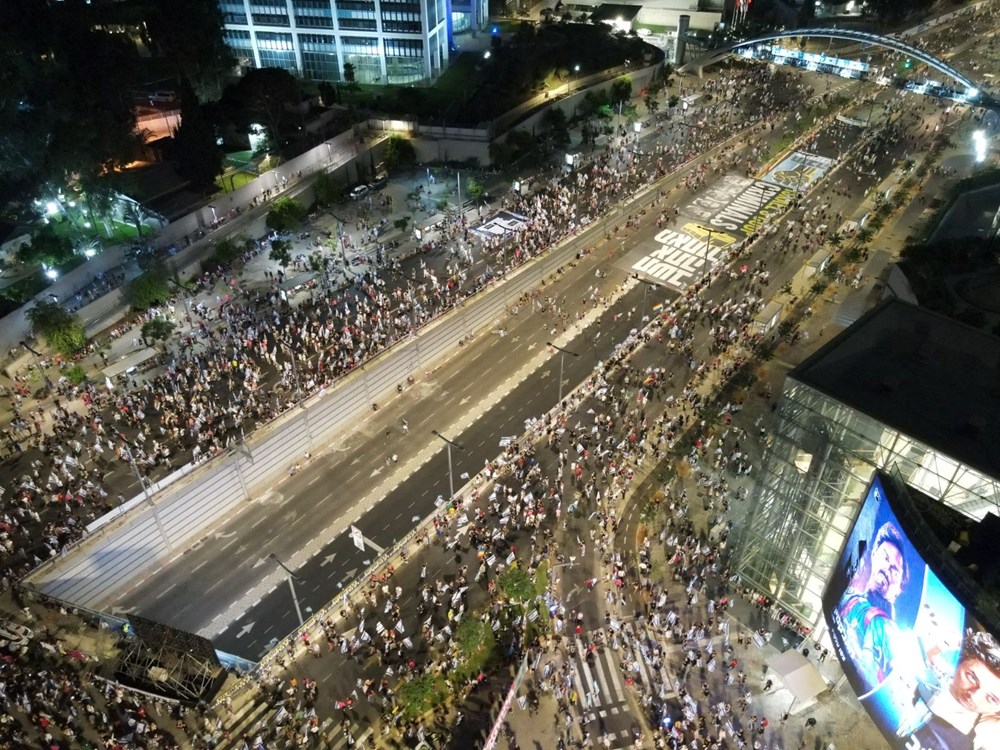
(708,242)
(38,364)
(145,491)
(449,444)
(291,585)
(562,358)
(645,289)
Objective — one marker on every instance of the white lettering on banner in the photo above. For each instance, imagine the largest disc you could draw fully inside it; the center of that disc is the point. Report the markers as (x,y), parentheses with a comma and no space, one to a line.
(680,259)
(717,197)
(772,208)
(744,206)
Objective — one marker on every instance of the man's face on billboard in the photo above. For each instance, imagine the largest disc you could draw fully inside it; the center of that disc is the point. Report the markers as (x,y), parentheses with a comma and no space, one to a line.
(975,687)
(887,571)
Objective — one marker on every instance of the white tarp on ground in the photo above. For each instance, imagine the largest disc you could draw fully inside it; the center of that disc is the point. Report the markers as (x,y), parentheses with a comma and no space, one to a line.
(798,674)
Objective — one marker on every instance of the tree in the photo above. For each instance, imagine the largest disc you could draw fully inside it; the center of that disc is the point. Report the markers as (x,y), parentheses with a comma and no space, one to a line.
(652,103)
(281,253)
(228,251)
(807,12)
(189,33)
(328,93)
(47,248)
(474,189)
(157,329)
(516,585)
(621,90)
(65,97)
(199,159)
(285,214)
(398,152)
(266,93)
(349,74)
(149,289)
(554,122)
(61,329)
(325,190)
(135,213)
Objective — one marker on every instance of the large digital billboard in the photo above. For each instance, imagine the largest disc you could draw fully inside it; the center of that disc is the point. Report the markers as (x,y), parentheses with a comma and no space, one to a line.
(923,667)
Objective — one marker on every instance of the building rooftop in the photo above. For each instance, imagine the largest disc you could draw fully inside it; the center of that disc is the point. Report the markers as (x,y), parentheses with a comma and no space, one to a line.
(933,378)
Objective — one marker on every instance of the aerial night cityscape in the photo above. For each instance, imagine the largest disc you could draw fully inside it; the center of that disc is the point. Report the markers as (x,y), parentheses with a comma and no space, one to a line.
(500,375)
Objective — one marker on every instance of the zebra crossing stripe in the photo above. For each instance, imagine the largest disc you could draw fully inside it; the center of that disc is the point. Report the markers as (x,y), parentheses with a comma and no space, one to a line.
(616,677)
(594,686)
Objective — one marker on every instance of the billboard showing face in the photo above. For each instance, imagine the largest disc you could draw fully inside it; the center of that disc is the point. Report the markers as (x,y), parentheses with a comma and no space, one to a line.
(923,668)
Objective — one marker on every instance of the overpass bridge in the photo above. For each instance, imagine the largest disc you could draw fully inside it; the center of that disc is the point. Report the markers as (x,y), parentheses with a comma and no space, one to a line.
(957,86)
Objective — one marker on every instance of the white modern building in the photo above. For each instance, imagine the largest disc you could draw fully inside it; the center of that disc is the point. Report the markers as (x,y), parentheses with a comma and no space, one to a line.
(386,41)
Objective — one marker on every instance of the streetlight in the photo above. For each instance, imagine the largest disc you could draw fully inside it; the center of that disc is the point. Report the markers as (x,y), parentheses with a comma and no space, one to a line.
(291,585)
(645,289)
(145,492)
(708,242)
(38,364)
(981,146)
(571,79)
(449,444)
(562,358)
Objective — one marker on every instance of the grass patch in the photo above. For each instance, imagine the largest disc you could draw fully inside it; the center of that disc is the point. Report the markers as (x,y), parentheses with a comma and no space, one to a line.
(232,181)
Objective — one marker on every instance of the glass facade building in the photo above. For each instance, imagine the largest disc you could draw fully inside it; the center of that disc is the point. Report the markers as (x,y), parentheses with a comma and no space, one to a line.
(871,399)
(385,41)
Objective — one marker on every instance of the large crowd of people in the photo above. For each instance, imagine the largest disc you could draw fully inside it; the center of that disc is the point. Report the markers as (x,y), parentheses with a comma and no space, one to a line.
(245,359)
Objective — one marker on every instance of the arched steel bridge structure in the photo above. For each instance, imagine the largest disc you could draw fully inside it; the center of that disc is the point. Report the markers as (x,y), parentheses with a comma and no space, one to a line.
(973,92)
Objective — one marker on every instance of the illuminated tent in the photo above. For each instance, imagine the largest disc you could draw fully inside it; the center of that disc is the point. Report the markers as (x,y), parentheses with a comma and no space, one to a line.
(798,674)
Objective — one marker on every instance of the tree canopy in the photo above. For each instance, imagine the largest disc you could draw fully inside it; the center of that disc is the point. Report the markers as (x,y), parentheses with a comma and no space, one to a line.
(65,98)
(198,158)
(398,152)
(263,95)
(149,289)
(46,247)
(61,329)
(285,214)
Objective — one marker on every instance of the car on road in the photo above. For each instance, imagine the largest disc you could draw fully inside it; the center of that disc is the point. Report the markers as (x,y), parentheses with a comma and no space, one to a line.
(359,192)
(14,635)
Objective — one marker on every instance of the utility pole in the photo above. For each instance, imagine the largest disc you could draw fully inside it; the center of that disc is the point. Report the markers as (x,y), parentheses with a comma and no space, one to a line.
(562,358)
(291,585)
(449,444)
(708,242)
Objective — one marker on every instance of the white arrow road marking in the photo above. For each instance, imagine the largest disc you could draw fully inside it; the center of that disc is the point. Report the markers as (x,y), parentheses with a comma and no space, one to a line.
(224,535)
(122,610)
(374,546)
(327,560)
(245,629)
(348,577)
(375,472)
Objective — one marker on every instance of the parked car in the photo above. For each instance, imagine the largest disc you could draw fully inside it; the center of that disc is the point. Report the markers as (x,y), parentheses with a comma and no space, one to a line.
(359,192)
(380,181)
(13,634)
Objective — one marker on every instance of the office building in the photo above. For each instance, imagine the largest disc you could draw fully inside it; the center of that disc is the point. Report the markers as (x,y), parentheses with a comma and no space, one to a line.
(903,390)
(397,42)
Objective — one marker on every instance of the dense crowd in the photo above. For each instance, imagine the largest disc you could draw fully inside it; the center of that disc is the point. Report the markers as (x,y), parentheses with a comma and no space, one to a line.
(246,359)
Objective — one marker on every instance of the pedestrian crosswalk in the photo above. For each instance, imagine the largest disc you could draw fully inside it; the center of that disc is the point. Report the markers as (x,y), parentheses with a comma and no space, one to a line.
(602,705)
